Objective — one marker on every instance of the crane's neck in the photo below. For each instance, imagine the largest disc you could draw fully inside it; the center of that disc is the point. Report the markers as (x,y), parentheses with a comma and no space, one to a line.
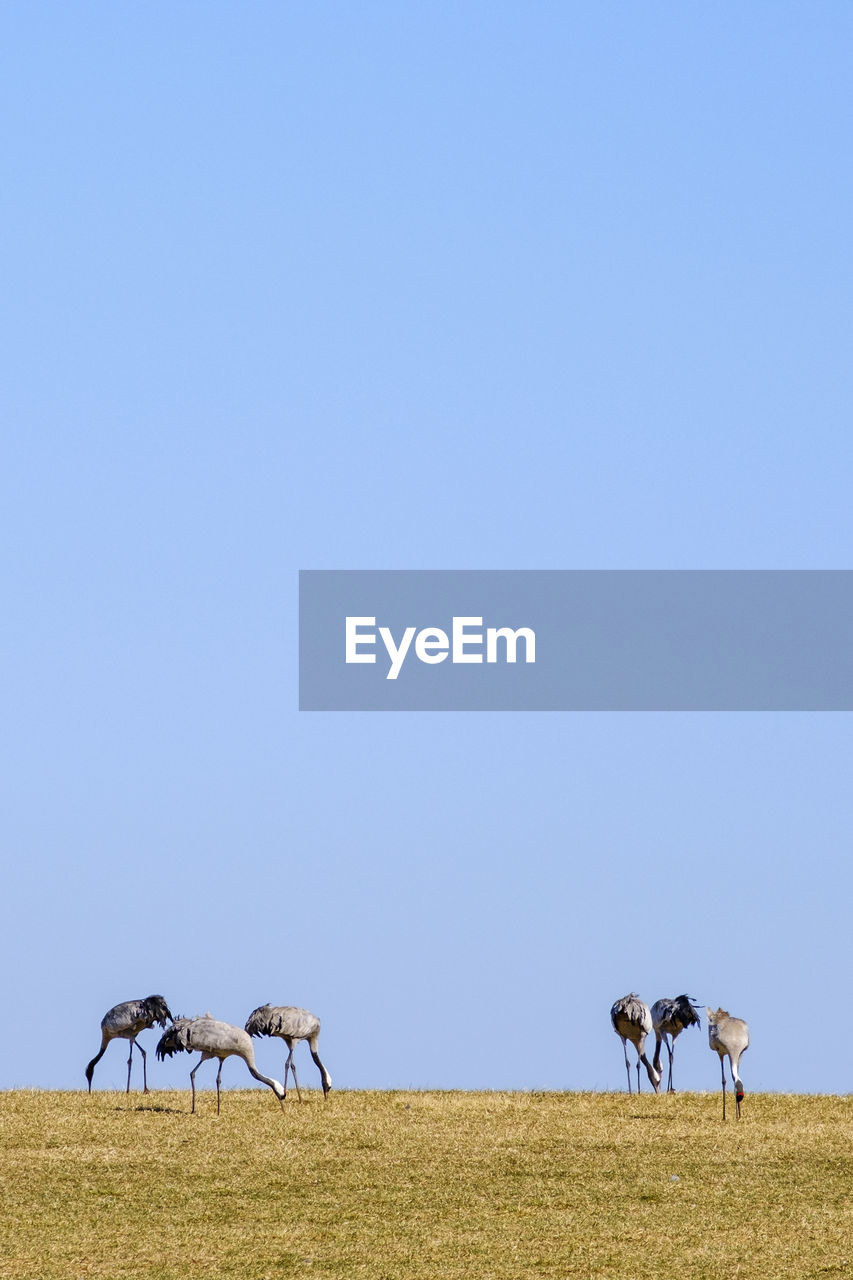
(278,1089)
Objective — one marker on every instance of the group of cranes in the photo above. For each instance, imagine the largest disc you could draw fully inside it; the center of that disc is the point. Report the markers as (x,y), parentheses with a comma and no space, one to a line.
(212,1038)
(631,1017)
(633,1020)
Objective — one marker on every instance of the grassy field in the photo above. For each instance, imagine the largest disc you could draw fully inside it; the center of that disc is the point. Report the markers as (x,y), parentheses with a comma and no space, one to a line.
(425,1185)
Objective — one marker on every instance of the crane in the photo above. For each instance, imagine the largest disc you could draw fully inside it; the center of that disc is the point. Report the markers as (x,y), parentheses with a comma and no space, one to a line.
(292,1025)
(669,1018)
(729,1037)
(124,1022)
(632,1020)
(213,1039)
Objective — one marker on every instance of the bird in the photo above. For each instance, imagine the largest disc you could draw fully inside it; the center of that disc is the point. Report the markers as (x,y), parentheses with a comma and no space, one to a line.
(669,1018)
(292,1025)
(214,1039)
(124,1022)
(729,1037)
(632,1021)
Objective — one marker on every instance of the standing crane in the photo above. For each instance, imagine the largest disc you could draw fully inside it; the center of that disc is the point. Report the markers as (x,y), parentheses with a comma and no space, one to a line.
(292,1025)
(729,1037)
(669,1018)
(213,1039)
(632,1020)
(124,1022)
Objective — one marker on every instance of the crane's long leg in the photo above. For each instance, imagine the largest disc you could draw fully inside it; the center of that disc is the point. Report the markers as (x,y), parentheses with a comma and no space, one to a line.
(289,1044)
(671,1052)
(290,1064)
(129,1062)
(627,1063)
(218,1078)
(723,1072)
(638,1073)
(144,1073)
(204,1057)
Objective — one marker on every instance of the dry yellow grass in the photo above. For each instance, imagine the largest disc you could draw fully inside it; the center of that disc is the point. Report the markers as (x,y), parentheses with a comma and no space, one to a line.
(434,1185)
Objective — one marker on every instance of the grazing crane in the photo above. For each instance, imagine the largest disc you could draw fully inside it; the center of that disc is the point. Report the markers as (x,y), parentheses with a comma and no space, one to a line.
(669,1018)
(729,1037)
(292,1025)
(124,1022)
(632,1021)
(215,1040)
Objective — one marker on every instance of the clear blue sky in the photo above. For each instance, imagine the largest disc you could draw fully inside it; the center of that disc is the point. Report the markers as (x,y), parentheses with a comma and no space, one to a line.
(449,285)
